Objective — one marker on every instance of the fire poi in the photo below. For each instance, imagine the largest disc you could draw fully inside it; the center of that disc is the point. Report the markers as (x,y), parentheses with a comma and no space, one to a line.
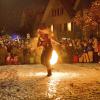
(54,57)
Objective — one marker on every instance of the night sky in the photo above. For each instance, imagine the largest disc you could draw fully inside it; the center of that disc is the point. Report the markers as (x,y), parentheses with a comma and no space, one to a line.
(11,11)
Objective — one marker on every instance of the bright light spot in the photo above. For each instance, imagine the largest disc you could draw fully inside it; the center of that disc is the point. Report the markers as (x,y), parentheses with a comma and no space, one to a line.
(69,26)
(56,79)
(31,74)
(54,58)
(62,75)
(51,28)
(52,88)
(55,75)
(40,74)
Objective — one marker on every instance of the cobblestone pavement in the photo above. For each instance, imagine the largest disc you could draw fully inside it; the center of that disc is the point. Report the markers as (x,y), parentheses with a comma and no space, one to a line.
(68,82)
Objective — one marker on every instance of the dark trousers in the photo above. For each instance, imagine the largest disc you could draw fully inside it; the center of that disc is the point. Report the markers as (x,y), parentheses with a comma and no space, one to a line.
(45,58)
(46,55)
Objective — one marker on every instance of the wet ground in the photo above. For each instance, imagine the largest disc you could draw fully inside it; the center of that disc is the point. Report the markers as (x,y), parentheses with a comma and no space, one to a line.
(68,82)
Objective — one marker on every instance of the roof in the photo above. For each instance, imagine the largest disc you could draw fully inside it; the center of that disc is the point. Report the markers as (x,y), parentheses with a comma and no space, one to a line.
(68,5)
(71,7)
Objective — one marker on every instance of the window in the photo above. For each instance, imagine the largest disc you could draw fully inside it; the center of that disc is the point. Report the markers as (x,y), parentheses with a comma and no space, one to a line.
(57,12)
(60,28)
(62,11)
(65,27)
(69,26)
(53,12)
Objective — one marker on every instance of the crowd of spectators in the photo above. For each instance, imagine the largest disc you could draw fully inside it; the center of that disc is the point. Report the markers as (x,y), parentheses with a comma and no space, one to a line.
(70,51)
(80,51)
(16,52)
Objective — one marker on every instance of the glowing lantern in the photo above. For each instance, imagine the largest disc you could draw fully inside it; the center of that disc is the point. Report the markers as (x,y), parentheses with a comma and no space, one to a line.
(54,58)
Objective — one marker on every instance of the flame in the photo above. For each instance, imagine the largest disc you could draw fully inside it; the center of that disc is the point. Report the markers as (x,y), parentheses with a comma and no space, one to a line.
(54,58)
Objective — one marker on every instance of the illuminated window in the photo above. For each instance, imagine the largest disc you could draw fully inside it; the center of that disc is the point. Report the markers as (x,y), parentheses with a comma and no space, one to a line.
(52,28)
(69,26)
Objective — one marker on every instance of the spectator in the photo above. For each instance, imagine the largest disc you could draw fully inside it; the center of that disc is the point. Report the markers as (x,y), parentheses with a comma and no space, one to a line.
(3,54)
(85,57)
(90,50)
(99,52)
(95,54)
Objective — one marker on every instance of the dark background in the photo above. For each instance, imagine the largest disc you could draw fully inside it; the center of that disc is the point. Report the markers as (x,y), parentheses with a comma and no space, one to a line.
(11,12)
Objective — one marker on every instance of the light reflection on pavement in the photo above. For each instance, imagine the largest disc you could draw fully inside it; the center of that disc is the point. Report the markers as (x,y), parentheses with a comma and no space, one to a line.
(68,82)
(53,81)
(31,74)
(55,75)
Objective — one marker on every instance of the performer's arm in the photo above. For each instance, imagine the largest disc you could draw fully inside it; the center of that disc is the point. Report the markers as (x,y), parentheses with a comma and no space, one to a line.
(55,42)
(39,42)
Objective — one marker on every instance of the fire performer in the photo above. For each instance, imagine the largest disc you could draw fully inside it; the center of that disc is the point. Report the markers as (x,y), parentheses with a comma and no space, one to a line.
(45,41)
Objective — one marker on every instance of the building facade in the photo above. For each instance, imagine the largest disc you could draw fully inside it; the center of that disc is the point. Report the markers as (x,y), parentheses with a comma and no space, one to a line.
(57,17)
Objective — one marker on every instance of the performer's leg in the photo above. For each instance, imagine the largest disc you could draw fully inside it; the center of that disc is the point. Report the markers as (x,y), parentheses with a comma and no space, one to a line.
(49,71)
(43,58)
(45,61)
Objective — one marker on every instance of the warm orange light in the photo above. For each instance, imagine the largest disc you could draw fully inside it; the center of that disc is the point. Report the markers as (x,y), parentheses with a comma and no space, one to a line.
(69,26)
(54,58)
(52,28)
